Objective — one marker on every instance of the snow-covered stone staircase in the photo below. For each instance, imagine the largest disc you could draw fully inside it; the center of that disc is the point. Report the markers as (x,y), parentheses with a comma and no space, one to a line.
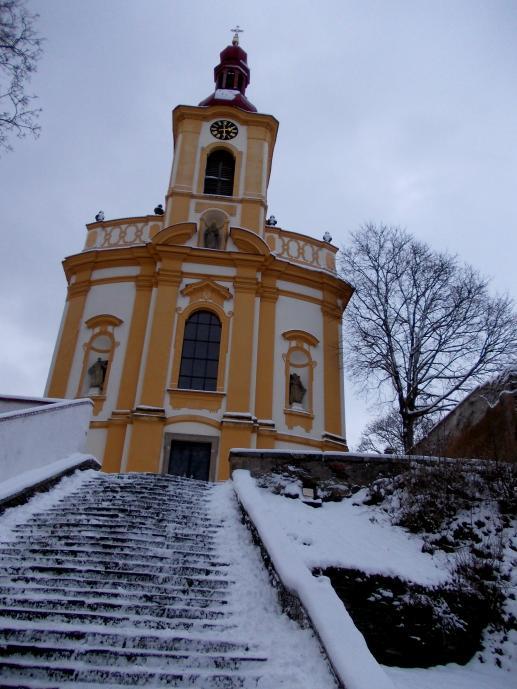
(120,583)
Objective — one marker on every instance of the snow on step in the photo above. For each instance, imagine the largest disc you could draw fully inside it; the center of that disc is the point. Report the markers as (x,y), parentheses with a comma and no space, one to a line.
(143,580)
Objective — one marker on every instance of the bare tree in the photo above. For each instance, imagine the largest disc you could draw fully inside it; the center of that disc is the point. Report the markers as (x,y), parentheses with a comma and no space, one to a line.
(20,48)
(382,434)
(422,327)
(386,433)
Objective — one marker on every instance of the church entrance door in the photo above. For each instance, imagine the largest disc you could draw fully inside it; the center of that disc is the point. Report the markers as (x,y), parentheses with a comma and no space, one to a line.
(190,459)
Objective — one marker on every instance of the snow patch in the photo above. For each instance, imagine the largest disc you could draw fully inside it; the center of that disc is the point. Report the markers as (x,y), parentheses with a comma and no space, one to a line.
(30,478)
(345,645)
(226,94)
(294,656)
(18,515)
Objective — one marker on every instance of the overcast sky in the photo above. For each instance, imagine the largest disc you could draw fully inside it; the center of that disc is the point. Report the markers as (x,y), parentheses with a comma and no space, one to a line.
(403,112)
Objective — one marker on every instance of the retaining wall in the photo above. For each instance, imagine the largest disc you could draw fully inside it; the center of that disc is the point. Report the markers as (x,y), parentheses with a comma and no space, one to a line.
(34,437)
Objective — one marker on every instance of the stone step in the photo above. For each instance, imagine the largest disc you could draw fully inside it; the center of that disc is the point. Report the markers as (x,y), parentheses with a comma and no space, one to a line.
(141,484)
(152,521)
(115,620)
(139,477)
(146,478)
(122,584)
(112,564)
(114,656)
(130,541)
(183,597)
(60,529)
(117,509)
(38,592)
(175,609)
(95,545)
(201,589)
(129,499)
(98,579)
(105,675)
(78,520)
(152,496)
(13,552)
(69,636)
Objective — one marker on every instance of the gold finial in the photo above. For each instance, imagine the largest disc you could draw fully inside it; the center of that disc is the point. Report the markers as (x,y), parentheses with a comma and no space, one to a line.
(236,32)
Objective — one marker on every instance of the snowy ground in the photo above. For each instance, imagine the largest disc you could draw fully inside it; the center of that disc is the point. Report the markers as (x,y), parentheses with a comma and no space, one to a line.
(350,534)
(295,660)
(294,655)
(42,501)
(346,534)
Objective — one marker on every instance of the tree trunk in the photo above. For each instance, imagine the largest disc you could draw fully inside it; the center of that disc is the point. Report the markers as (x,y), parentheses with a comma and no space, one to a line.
(408,433)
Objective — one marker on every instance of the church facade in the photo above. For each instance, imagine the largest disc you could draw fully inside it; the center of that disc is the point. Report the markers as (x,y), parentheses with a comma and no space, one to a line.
(207,327)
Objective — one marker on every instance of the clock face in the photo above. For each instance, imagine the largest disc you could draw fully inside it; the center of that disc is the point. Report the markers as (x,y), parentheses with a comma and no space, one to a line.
(224,130)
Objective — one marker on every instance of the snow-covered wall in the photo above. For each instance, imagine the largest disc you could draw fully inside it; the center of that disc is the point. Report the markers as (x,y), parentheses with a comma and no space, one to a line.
(15,402)
(353,664)
(40,435)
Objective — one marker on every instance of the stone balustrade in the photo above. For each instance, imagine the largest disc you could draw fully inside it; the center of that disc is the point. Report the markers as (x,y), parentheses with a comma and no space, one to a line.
(112,234)
(291,246)
(298,248)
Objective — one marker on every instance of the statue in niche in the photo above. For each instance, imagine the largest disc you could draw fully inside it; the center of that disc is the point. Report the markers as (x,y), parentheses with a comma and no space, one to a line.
(212,236)
(97,374)
(297,389)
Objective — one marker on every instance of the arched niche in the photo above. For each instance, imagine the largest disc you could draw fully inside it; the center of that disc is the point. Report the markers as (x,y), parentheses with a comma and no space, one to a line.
(299,368)
(99,352)
(213,229)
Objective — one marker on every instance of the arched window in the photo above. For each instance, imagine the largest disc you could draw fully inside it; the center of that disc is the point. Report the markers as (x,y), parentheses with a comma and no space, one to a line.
(200,353)
(220,170)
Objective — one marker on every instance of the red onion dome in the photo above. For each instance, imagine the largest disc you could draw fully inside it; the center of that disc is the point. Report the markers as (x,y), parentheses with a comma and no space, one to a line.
(231,76)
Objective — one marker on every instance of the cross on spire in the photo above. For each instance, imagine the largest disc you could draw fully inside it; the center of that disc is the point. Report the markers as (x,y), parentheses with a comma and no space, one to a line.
(236,32)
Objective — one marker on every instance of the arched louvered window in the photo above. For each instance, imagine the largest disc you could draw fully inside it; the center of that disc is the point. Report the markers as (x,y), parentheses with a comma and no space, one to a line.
(200,354)
(220,170)
(230,79)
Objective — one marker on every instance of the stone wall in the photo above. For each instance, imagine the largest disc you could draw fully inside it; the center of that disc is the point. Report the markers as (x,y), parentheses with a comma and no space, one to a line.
(483,425)
(315,467)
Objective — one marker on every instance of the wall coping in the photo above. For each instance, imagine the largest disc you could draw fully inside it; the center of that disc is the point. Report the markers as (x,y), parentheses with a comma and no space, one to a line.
(48,406)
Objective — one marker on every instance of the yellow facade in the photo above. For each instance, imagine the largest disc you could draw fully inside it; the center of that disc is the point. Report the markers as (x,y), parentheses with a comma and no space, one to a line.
(274,293)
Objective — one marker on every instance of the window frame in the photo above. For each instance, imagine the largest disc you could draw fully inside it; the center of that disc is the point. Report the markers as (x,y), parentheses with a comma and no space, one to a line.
(200,303)
(198,339)
(219,180)
(207,151)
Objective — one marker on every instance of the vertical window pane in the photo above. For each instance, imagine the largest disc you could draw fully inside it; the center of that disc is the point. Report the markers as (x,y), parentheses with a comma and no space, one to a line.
(202,332)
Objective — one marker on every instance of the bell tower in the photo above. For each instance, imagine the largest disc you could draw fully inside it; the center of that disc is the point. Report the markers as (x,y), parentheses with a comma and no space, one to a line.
(223,151)
(203,328)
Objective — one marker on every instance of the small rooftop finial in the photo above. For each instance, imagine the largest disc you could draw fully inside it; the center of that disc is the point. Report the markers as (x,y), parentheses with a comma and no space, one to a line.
(237,31)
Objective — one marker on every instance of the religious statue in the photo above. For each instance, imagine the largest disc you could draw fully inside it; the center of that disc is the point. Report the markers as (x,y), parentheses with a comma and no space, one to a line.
(297,389)
(212,236)
(97,373)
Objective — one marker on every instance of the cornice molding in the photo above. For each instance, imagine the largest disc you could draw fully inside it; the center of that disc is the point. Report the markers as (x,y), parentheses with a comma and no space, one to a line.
(103,319)
(206,290)
(298,335)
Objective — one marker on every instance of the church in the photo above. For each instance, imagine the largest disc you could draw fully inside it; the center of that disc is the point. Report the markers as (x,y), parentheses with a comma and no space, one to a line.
(205,326)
